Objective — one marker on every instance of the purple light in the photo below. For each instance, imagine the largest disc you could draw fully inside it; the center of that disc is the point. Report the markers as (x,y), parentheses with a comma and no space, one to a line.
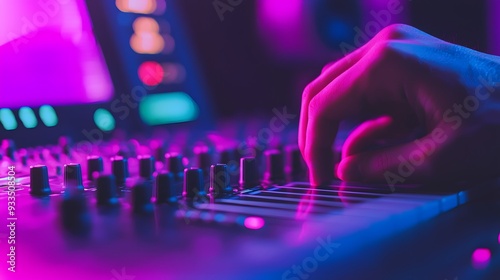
(499,238)
(50,55)
(481,258)
(254,223)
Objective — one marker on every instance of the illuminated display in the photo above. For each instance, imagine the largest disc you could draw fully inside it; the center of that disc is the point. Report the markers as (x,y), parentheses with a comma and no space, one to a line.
(47,53)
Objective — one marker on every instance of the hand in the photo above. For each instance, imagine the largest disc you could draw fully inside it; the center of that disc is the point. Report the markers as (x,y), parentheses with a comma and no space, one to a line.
(406,81)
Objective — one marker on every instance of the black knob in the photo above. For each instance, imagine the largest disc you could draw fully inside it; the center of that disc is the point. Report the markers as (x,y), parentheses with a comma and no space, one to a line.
(174,163)
(65,144)
(94,165)
(164,185)
(219,180)
(75,214)
(203,158)
(9,148)
(295,168)
(119,168)
(275,167)
(227,156)
(141,194)
(146,167)
(106,193)
(249,173)
(193,182)
(73,177)
(39,180)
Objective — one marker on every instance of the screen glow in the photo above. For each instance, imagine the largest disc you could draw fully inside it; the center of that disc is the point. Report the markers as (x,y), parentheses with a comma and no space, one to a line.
(47,51)
(166,108)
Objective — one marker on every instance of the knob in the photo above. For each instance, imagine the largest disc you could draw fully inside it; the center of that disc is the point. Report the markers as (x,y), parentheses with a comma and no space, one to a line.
(219,180)
(39,180)
(146,167)
(73,177)
(75,214)
(249,173)
(94,165)
(164,185)
(174,163)
(227,156)
(106,190)
(193,182)
(141,194)
(9,148)
(203,158)
(65,143)
(295,168)
(275,168)
(119,168)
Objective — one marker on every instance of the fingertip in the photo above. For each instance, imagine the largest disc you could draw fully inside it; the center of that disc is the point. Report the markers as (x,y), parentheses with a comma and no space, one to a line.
(349,170)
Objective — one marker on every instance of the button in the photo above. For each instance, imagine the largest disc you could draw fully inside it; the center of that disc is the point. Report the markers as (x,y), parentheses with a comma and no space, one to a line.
(39,180)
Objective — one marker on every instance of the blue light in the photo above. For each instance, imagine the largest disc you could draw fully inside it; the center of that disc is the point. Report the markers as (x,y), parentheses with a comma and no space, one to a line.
(48,115)
(28,117)
(104,120)
(167,108)
(8,120)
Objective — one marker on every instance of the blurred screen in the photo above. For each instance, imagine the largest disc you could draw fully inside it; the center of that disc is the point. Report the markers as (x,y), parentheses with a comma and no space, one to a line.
(49,56)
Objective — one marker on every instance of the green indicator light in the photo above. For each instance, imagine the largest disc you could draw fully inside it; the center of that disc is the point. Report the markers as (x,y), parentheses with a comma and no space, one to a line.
(104,120)
(48,115)
(8,120)
(167,108)
(28,117)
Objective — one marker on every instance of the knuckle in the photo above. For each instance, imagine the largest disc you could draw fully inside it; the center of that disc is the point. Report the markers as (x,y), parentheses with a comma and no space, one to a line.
(307,94)
(395,31)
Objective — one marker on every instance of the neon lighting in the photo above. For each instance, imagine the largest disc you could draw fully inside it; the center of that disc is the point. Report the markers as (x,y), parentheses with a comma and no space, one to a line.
(146,38)
(8,120)
(104,120)
(48,115)
(28,117)
(254,223)
(136,6)
(166,108)
(151,73)
(481,258)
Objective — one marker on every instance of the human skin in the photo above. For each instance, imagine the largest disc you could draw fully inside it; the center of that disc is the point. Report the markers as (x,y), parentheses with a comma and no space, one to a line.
(405,80)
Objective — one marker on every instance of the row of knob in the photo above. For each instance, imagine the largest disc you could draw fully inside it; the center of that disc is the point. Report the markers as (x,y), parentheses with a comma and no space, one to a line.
(191,179)
(248,176)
